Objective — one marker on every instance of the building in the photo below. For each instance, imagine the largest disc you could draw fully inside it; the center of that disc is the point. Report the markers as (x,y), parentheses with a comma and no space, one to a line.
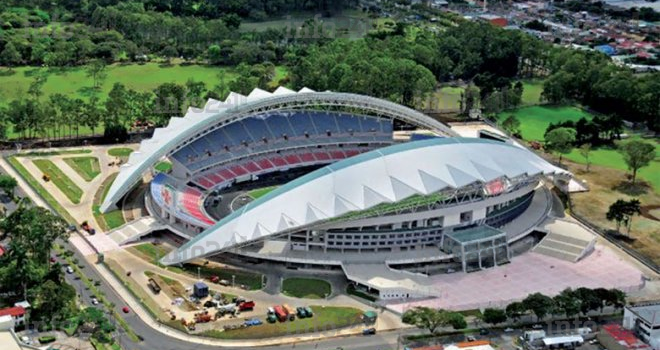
(615,337)
(644,320)
(16,312)
(337,189)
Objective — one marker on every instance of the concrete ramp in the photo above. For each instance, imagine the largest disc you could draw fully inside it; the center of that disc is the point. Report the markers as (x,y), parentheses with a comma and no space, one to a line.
(390,283)
(565,240)
(135,230)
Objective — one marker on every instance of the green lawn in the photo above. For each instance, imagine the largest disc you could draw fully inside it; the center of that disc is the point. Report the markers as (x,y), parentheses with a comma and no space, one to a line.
(532,90)
(325,318)
(610,157)
(66,185)
(120,152)
(36,185)
(534,120)
(87,167)
(53,153)
(448,98)
(74,82)
(260,192)
(163,166)
(310,288)
(112,219)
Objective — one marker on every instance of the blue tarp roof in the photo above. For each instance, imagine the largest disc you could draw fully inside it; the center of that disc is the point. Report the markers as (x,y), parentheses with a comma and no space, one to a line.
(606,49)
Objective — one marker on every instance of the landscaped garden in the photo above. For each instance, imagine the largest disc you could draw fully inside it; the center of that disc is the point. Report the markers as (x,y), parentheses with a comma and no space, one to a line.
(308,288)
(325,318)
(87,167)
(112,219)
(120,152)
(59,179)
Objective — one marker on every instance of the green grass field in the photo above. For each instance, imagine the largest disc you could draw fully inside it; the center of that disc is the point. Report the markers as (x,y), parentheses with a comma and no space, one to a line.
(534,120)
(610,157)
(63,182)
(112,219)
(120,152)
(325,318)
(260,192)
(36,185)
(532,90)
(74,82)
(309,288)
(163,166)
(87,167)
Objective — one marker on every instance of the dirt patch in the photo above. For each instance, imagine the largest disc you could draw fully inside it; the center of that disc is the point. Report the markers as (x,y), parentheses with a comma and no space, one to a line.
(605,185)
(651,212)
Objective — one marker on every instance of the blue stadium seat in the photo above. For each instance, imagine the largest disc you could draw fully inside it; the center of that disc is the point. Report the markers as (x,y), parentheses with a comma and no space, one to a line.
(279,125)
(325,122)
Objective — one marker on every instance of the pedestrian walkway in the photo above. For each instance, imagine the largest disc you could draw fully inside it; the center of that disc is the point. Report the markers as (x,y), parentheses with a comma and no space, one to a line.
(135,230)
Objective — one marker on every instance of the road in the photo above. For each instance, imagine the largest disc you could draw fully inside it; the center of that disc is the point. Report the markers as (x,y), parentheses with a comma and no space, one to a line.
(154,339)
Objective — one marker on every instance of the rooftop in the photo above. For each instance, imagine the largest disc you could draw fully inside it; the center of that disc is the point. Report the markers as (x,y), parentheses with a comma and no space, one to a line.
(475,234)
(649,313)
(15,311)
(625,337)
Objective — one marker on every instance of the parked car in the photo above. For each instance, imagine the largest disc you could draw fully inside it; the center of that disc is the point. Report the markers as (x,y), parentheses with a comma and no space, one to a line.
(484,331)
(271,318)
(471,338)
(508,330)
(302,313)
(125,309)
(369,331)
(69,269)
(537,326)
(95,301)
(309,311)
(253,322)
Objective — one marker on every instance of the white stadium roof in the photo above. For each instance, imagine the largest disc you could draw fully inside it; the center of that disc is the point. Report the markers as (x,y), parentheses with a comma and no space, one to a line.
(236,107)
(386,175)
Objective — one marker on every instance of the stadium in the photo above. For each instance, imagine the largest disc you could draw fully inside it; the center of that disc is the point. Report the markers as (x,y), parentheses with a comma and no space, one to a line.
(339,181)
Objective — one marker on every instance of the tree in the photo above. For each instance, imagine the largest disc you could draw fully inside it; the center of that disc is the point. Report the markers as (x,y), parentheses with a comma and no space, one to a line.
(585,152)
(8,184)
(637,154)
(567,302)
(494,316)
(589,301)
(432,319)
(10,56)
(622,212)
(170,101)
(425,318)
(97,71)
(511,125)
(541,305)
(232,20)
(560,141)
(515,310)
(36,86)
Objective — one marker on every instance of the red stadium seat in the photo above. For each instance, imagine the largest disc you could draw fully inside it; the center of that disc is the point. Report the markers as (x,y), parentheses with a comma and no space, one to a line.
(252,167)
(238,170)
(352,152)
(265,164)
(307,157)
(322,156)
(292,159)
(278,161)
(227,174)
(337,155)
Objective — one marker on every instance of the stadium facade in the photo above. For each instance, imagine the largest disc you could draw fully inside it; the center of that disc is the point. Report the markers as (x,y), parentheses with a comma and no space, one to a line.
(345,194)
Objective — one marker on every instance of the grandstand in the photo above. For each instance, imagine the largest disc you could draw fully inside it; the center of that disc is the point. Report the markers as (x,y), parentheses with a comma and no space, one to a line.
(343,186)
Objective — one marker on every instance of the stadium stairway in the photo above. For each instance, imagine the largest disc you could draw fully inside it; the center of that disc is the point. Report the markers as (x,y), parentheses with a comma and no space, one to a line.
(565,240)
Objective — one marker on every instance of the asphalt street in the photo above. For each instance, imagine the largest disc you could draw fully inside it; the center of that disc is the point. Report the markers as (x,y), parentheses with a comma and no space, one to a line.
(154,340)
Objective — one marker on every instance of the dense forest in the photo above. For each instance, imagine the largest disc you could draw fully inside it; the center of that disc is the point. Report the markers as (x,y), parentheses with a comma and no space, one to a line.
(404,65)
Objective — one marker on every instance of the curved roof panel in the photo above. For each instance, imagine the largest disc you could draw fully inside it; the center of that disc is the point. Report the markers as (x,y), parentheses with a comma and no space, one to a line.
(389,174)
(237,107)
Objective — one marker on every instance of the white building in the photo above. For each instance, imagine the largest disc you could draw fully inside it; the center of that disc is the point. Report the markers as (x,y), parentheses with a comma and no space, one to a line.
(644,320)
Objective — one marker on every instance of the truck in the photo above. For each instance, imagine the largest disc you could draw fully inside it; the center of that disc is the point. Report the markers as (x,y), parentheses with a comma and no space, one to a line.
(291,312)
(154,286)
(203,317)
(246,306)
(281,313)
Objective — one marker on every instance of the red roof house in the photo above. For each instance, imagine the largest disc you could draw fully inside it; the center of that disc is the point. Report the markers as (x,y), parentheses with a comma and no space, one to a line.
(14,312)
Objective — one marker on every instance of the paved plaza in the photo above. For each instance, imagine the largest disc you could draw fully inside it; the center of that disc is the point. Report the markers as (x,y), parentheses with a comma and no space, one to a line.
(526,274)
